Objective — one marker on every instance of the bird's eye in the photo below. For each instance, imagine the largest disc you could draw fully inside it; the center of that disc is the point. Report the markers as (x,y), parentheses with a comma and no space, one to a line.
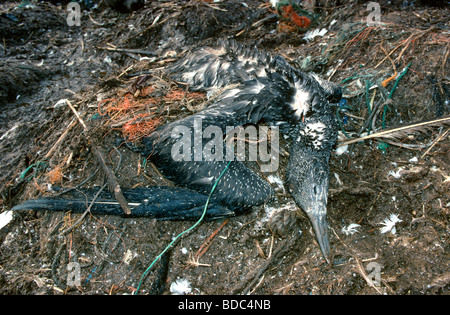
(315,189)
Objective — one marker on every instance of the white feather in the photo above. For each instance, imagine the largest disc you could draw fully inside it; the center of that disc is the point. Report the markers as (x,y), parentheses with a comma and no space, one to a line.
(180,287)
(389,224)
(310,35)
(350,229)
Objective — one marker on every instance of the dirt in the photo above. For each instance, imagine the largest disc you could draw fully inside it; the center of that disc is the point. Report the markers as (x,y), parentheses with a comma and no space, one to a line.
(43,61)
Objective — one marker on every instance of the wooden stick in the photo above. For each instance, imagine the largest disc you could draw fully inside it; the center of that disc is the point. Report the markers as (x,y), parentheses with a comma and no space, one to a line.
(256,274)
(112,181)
(365,276)
(207,243)
(386,133)
(434,143)
(61,138)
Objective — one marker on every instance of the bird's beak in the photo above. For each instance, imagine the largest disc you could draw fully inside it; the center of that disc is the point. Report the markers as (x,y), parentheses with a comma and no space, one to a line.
(319,223)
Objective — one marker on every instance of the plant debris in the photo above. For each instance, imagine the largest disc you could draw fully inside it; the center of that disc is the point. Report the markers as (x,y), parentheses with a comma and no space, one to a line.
(393,120)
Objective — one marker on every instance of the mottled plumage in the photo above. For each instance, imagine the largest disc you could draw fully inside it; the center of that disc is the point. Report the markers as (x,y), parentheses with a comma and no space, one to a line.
(212,68)
(308,171)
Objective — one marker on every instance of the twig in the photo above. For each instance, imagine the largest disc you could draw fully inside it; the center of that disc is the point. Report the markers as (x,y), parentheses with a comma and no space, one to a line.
(57,283)
(395,131)
(392,51)
(81,121)
(84,213)
(445,58)
(214,7)
(125,71)
(112,181)
(194,260)
(129,50)
(364,275)
(79,185)
(408,146)
(255,275)
(385,82)
(61,138)
(406,43)
(207,243)
(94,21)
(434,143)
(419,35)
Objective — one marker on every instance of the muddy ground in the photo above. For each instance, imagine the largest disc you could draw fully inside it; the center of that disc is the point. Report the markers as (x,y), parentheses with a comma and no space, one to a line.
(43,61)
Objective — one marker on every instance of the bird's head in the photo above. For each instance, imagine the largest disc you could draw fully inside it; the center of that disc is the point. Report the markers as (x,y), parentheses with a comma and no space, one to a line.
(308,174)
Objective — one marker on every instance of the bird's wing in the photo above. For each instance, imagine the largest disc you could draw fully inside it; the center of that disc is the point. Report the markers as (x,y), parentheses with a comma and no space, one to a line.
(298,93)
(206,67)
(277,99)
(248,103)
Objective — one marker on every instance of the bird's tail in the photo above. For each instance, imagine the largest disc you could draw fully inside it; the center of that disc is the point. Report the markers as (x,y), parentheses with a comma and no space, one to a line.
(162,203)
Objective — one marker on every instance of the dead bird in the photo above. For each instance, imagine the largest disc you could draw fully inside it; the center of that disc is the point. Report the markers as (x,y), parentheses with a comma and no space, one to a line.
(267,90)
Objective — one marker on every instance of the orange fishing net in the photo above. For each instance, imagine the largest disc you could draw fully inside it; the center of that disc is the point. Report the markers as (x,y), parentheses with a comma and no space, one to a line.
(133,115)
(55,176)
(140,126)
(300,21)
(137,116)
